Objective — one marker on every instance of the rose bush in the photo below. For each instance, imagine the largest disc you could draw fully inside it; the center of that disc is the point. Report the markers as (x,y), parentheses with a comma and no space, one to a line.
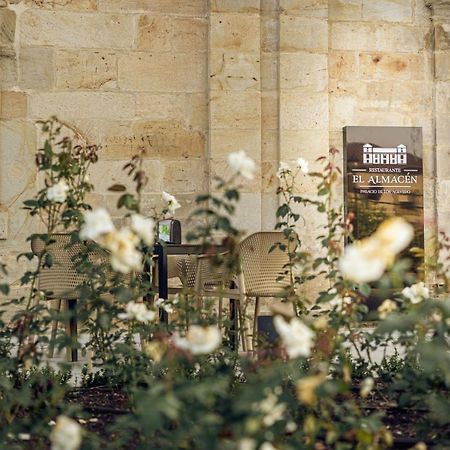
(182,384)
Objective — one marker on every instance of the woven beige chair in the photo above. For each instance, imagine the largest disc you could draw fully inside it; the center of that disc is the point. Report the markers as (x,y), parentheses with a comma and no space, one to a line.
(261,269)
(60,281)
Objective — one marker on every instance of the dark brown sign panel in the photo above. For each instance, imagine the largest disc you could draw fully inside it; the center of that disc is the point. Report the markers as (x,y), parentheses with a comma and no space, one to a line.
(384,177)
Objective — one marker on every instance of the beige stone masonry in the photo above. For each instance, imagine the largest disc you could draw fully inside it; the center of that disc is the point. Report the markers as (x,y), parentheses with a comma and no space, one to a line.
(36,69)
(74,30)
(162,72)
(85,69)
(13,105)
(182,7)
(76,5)
(7,27)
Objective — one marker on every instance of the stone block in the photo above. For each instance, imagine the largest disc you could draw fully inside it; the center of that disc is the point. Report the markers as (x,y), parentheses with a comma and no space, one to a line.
(235,32)
(380,37)
(343,65)
(234,71)
(236,6)
(82,105)
(7,27)
(304,71)
(269,71)
(172,34)
(345,9)
(442,98)
(248,213)
(191,110)
(3,224)
(442,59)
(230,109)
(76,5)
(225,141)
(269,180)
(269,110)
(443,130)
(85,69)
(269,205)
(185,176)
(388,10)
(308,144)
(392,66)
(76,30)
(36,68)
(269,34)
(305,8)
(163,72)
(8,69)
(269,145)
(17,169)
(299,33)
(301,111)
(182,7)
(13,105)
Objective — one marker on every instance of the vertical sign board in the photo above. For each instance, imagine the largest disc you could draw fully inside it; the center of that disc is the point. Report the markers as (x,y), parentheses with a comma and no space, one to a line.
(384,178)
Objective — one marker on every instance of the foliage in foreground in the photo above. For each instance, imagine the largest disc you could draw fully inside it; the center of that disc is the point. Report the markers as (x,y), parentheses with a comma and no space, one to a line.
(184,384)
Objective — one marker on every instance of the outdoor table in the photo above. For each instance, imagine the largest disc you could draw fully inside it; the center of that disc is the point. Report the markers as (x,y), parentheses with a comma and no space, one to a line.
(162,251)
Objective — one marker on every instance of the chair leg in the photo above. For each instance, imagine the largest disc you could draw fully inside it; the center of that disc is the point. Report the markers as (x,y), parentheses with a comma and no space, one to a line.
(255,324)
(71,327)
(242,326)
(51,348)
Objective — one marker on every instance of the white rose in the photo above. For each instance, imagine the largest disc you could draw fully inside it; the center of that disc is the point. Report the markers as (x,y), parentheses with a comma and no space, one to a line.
(138,312)
(295,335)
(283,169)
(366,386)
(125,257)
(365,261)
(303,165)
(387,307)
(199,340)
(416,293)
(395,234)
(143,227)
(241,164)
(96,223)
(58,192)
(66,435)
(172,202)
(247,444)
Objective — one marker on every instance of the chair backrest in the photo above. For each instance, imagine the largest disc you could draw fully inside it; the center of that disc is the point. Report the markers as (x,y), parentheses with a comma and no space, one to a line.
(61,279)
(260,266)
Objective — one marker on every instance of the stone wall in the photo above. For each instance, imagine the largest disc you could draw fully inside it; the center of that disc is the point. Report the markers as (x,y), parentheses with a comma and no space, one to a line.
(192,80)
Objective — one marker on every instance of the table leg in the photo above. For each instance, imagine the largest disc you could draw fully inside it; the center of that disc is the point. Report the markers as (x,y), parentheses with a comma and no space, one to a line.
(234,337)
(161,251)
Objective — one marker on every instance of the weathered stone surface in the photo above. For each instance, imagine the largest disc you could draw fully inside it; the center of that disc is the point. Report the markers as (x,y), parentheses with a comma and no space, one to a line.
(269,71)
(71,29)
(164,72)
(308,144)
(234,71)
(80,5)
(305,8)
(3,225)
(269,34)
(269,179)
(304,71)
(442,36)
(235,32)
(269,110)
(345,9)
(8,69)
(82,105)
(343,65)
(85,69)
(300,111)
(380,37)
(184,7)
(189,109)
(17,170)
(235,110)
(442,59)
(269,145)
(248,213)
(388,10)
(379,65)
(185,176)
(7,27)
(36,68)
(13,105)
(3,3)
(172,34)
(159,139)
(299,33)
(226,141)
(238,6)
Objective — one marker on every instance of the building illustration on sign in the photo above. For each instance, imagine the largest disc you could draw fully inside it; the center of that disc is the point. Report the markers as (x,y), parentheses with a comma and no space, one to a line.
(379,155)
